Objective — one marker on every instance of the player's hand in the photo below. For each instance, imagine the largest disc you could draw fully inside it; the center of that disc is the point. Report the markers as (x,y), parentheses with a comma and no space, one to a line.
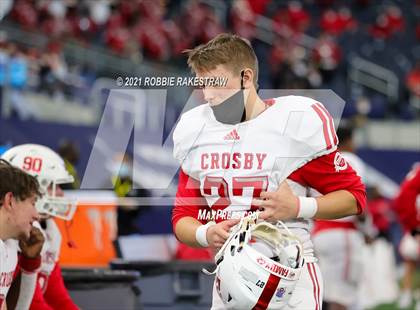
(279,205)
(31,248)
(219,233)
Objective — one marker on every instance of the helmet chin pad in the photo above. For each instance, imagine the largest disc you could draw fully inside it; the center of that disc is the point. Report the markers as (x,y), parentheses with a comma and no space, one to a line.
(269,233)
(280,245)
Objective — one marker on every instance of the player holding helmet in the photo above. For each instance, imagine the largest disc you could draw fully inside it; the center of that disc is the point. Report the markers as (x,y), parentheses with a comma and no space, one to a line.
(236,153)
(255,256)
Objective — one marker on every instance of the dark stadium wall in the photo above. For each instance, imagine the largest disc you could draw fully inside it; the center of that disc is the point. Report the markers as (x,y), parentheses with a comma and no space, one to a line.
(16,132)
(393,163)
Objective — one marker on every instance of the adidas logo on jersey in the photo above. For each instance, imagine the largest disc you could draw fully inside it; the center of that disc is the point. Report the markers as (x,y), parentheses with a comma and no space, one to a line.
(233,135)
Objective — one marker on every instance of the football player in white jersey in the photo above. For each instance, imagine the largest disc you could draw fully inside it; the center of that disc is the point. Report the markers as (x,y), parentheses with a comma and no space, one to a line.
(18,194)
(49,169)
(239,153)
(338,243)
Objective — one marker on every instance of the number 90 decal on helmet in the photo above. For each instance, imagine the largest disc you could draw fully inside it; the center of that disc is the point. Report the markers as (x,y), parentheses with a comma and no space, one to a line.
(258,266)
(49,168)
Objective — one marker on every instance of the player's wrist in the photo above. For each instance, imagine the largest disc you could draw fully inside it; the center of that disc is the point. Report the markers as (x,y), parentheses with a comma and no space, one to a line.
(30,264)
(307,207)
(201,234)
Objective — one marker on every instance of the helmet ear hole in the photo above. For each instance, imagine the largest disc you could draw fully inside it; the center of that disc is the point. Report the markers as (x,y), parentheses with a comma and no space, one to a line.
(232,250)
(44,183)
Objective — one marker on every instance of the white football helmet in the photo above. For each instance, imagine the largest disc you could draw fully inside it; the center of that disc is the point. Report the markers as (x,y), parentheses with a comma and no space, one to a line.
(49,168)
(259,265)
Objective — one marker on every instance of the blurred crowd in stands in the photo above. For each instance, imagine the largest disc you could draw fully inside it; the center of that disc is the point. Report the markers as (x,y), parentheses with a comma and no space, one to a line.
(43,71)
(161,30)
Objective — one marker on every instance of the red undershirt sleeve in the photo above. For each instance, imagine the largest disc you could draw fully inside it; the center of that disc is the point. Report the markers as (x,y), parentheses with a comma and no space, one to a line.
(188,201)
(329,173)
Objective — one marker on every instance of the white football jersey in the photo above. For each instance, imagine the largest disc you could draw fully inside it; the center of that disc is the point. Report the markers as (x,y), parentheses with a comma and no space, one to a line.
(8,263)
(234,163)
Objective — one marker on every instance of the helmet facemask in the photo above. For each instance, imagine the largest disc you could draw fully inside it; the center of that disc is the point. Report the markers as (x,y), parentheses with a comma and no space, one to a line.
(52,205)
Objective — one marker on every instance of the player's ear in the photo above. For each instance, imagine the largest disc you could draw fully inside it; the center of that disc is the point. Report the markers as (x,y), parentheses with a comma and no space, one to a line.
(248,78)
(8,201)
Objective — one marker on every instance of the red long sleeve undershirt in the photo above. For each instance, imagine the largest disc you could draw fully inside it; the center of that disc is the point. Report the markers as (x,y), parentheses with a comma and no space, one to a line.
(55,296)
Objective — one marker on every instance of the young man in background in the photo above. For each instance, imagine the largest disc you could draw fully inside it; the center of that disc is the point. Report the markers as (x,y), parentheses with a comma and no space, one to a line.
(407,206)
(49,168)
(18,195)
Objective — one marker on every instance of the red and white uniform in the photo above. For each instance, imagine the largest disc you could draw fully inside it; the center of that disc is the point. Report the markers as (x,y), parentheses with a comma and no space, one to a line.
(338,246)
(8,263)
(407,206)
(225,166)
(9,260)
(50,292)
(407,203)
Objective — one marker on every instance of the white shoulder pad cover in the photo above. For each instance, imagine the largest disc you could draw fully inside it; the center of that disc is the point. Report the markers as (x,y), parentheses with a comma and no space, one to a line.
(310,125)
(188,130)
(308,128)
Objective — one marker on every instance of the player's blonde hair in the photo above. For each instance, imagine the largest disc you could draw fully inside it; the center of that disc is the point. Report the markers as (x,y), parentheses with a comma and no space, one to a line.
(230,50)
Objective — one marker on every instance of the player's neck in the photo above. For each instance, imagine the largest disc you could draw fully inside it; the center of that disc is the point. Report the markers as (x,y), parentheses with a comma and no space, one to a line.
(254,106)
